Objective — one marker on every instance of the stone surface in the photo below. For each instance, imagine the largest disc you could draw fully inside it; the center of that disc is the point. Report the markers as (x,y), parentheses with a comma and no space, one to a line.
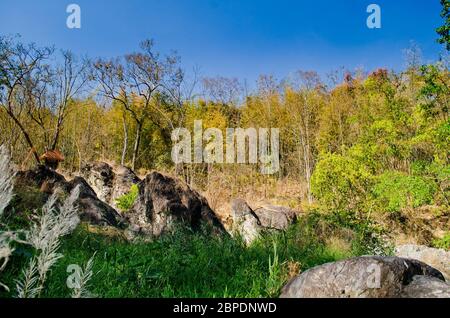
(250,223)
(164,201)
(275,217)
(109,181)
(426,287)
(360,277)
(91,209)
(438,258)
(245,221)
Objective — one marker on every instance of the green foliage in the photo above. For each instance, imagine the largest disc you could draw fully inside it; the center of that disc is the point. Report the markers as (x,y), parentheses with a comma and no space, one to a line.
(443,242)
(187,264)
(340,182)
(126,201)
(444,30)
(395,191)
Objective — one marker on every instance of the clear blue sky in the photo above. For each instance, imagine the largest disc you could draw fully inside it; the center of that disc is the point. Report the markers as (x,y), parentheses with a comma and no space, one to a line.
(236,38)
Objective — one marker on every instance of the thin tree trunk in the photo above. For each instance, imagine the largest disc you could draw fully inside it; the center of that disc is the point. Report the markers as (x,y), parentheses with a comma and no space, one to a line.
(125,141)
(136,145)
(27,138)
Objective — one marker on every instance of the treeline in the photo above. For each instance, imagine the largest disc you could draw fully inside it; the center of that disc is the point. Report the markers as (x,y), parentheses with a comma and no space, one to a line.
(359,142)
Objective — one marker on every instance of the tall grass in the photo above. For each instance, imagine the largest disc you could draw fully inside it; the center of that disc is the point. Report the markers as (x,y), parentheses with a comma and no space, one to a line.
(44,236)
(7,238)
(188,264)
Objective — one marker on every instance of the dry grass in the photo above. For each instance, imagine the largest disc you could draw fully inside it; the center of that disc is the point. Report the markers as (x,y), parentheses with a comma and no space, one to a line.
(256,189)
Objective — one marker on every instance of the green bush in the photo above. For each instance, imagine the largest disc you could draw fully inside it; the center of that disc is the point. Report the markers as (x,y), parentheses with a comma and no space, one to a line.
(126,201)
(340,182)
(395,191)
(443,242)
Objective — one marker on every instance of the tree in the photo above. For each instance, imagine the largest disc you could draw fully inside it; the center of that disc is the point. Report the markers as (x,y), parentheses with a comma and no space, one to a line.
(304,106)
(141,82)
(68,81)
(444,30)
(222,90)
(23,72)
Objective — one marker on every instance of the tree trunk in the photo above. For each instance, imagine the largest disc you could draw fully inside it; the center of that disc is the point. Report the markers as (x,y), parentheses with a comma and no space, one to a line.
(27,138)
(55,138)
(136,145)
(125,141)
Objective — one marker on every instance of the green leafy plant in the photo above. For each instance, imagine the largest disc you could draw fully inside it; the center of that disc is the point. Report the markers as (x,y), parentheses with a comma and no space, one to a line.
(340,182)
(395,191)
(126,201)
(443,242)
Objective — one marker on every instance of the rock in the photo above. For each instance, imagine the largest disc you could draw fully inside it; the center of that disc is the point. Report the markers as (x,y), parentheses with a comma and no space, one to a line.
(164,201)
(438,258)
(361,277)
(91,209)
(245,221)
(250,223)
(109,182)
(426,287)
(275,217)
(99,175)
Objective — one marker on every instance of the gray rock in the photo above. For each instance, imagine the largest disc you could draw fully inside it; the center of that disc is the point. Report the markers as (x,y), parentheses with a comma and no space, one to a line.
(249,224)
(426,287)
(275,217)
(91,209)
(438,258)
(359,277)
(109,182)
(245,221)
(164,201)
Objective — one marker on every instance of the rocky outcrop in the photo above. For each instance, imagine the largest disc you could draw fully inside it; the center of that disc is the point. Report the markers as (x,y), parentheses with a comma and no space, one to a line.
(164,201)
(438,258)
(368,276)
(245,221)
(426,287)
(91,208)
(275,217)
(250,223)
(109,181)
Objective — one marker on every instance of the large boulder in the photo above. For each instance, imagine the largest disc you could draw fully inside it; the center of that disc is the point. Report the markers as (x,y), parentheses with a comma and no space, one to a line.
(365,277)
(109,181)
(249,223)
(245,221)
(164,201)
(426,287)
(48,181)
(275,217)
(436,257)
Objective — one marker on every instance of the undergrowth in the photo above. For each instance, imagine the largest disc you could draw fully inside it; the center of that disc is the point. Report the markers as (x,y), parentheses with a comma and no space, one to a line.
(197,264)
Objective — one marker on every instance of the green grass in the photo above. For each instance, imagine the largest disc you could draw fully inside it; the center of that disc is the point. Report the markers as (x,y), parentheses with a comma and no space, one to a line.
(187,264)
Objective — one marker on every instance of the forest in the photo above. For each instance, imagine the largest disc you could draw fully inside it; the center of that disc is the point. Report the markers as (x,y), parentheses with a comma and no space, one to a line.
(364,160)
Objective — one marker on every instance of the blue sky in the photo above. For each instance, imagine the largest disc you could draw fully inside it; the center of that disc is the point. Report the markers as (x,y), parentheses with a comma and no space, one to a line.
(236,38)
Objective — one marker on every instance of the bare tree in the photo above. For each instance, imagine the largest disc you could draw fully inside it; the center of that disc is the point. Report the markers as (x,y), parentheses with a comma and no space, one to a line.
(22,67)
(68,81)
(306,106)
(144,76)
(223,90)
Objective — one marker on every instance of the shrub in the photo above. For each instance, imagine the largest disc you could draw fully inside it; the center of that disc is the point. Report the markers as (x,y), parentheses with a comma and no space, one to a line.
(340,182)
(443,242)
(395,191)
(126,201)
